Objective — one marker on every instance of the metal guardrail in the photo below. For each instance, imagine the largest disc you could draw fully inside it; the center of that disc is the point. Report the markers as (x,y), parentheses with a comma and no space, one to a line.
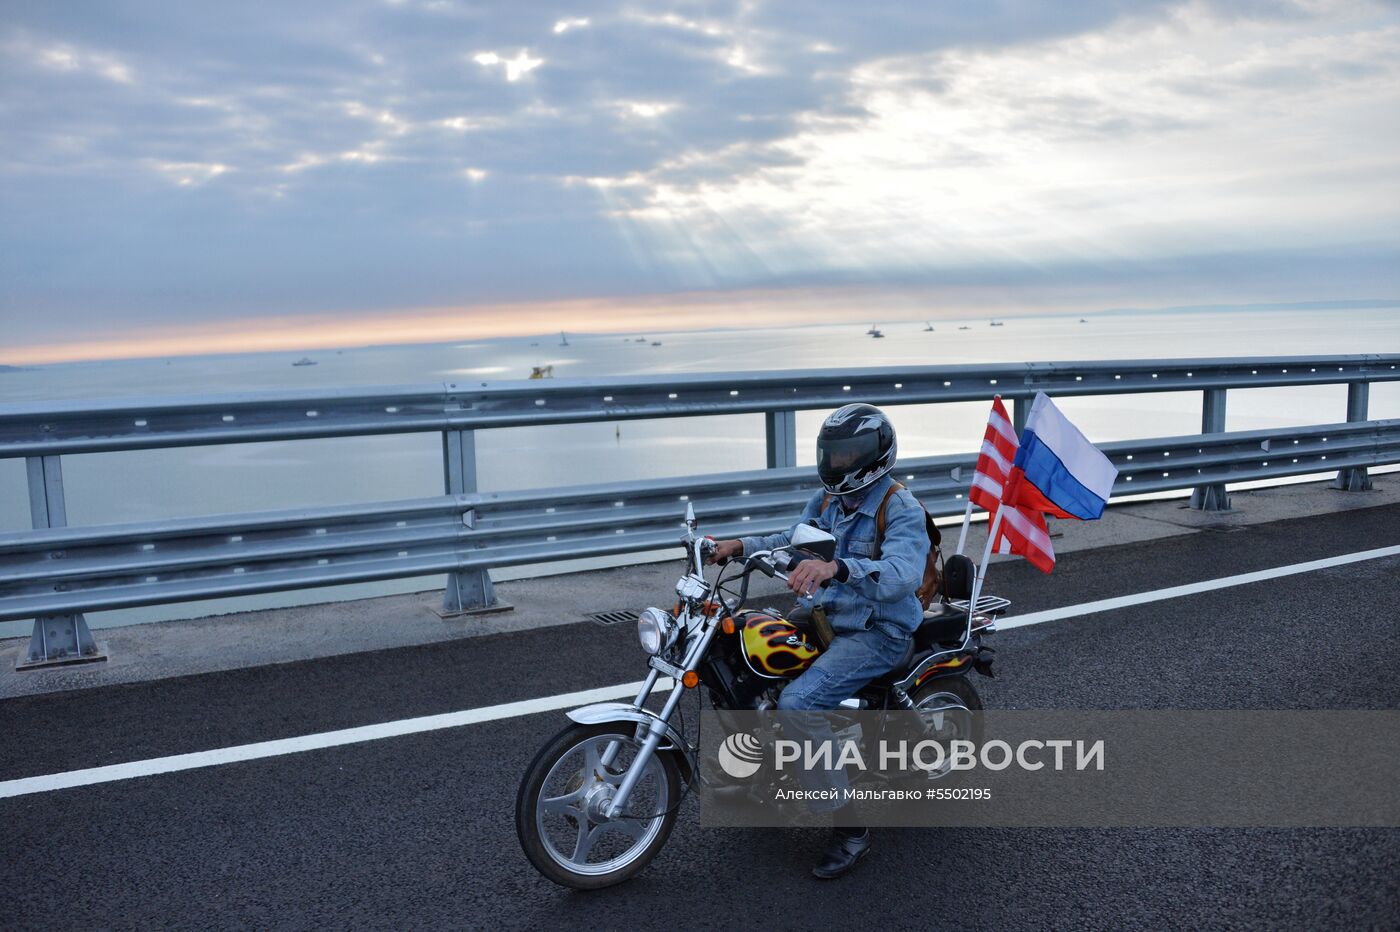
(55,573)
(86,569)
(137,424)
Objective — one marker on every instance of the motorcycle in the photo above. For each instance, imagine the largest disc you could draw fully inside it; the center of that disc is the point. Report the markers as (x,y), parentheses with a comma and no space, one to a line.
(601,797)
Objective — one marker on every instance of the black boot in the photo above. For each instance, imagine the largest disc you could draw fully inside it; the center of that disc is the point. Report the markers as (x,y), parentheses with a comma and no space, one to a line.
(847,846)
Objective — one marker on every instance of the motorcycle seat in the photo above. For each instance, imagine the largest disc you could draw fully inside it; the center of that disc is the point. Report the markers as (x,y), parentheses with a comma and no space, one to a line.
(942,624)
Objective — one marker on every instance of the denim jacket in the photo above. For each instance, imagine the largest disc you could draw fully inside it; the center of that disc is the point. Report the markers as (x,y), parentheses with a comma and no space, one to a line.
(876,592)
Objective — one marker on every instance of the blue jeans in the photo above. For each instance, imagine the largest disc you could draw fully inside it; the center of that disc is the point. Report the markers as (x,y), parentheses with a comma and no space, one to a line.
(850,662)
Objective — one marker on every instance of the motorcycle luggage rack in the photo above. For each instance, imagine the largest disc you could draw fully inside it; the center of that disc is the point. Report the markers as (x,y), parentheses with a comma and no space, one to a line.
(986,604)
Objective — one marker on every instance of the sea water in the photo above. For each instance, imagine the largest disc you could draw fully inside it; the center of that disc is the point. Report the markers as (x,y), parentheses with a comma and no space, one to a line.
(144,485)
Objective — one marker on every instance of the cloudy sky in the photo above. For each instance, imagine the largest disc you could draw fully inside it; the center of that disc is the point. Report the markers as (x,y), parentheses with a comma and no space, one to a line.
(178,177)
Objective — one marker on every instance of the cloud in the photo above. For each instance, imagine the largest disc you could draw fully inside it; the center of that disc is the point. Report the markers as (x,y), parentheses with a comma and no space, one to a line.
(64,57)
(1103,146)
(188,173)
(161,161)
(564,25)
(513,68)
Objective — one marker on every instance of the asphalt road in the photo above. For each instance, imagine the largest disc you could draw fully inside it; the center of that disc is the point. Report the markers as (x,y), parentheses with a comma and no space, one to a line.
(417,832)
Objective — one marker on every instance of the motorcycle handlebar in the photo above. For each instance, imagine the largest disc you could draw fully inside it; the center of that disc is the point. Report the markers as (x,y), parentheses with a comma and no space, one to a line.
(765,564)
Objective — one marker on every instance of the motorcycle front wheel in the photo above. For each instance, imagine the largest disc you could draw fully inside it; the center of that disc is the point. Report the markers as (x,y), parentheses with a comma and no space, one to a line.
(560,811)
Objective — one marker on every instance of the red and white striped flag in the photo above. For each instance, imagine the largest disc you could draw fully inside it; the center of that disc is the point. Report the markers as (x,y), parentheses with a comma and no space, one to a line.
(1023,530)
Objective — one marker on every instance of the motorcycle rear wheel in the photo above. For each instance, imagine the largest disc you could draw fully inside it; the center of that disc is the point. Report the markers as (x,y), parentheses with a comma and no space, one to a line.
(947,688)
(559,811)
(954,702)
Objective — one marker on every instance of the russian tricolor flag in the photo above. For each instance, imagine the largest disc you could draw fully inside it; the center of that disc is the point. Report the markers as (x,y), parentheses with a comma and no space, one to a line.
(1056,470)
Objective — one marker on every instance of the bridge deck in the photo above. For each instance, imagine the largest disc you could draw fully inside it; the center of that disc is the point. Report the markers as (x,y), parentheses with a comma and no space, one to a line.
(415,831)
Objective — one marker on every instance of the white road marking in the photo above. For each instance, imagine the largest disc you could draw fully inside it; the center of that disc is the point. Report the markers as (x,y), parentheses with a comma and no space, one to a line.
(409,726)
(1207,585)
(325,739)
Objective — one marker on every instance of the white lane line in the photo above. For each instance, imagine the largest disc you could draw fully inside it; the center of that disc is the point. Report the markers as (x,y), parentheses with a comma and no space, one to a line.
(409,726)
(1173,592)
(325,739)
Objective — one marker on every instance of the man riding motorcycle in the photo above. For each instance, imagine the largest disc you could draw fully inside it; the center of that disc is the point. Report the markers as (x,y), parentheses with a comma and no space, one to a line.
(870,603)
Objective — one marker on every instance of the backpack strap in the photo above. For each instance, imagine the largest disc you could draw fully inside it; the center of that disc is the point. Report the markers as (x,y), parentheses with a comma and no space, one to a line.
(880,518)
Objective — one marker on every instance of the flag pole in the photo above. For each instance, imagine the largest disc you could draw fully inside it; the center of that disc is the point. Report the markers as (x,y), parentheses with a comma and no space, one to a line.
(967,519)
(986,556)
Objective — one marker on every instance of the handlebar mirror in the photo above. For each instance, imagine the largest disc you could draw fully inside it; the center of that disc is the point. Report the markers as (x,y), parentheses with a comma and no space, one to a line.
(690,515)
(815,541)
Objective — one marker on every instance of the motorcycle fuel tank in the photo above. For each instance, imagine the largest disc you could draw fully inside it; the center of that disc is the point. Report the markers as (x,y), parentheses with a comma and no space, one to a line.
(775,647)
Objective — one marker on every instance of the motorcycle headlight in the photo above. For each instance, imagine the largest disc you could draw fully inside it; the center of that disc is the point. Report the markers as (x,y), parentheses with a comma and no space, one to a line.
(656,630)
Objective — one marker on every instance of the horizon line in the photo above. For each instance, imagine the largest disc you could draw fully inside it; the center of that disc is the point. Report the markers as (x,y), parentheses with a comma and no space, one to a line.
(435,327)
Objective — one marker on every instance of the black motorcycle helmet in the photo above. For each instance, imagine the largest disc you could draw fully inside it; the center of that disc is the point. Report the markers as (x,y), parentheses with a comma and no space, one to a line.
(854,448)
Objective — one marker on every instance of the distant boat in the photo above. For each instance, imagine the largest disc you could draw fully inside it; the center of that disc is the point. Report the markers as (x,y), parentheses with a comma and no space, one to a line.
(996,323)
(872,331)
(655,342)
(964,328)
(563,340)
(1083,321)
(641,340)
(928,327)
(875,334)
(542,372)
(305,361)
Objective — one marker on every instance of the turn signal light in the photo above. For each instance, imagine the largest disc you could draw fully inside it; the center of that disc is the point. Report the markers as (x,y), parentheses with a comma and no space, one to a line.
(727,625)
(690,680)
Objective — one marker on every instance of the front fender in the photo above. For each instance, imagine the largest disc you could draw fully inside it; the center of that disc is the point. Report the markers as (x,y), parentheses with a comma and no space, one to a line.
(601,712)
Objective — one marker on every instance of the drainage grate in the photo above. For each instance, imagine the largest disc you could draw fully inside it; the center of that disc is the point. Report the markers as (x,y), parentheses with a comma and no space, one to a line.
(613,618)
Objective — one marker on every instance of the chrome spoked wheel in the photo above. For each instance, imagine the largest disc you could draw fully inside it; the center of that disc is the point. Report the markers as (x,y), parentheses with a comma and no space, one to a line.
(562,812)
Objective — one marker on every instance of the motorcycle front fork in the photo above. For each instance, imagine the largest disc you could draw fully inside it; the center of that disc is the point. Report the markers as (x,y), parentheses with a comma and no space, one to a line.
(656,727)
(610,754)
(655,732)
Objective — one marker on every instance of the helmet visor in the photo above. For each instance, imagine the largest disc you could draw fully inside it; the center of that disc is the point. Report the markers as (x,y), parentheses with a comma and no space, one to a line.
(839,456)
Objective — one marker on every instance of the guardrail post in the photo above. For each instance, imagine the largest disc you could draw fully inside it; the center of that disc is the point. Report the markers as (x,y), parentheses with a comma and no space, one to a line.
(1020,407)
(1212,497)
(57,639)
(468,592)
(781,428)
(1355,478)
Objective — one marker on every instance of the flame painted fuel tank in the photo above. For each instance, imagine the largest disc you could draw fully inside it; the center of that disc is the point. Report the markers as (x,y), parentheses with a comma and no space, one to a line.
(773,646)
